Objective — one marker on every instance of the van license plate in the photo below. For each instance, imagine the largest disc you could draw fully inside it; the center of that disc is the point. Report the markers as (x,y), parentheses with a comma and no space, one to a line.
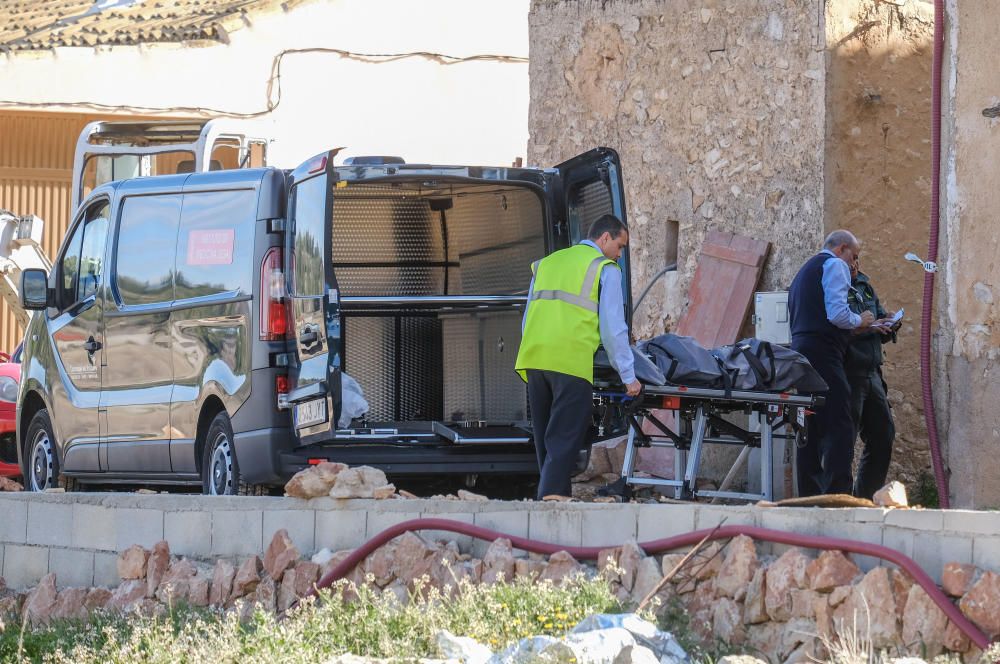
(309,413)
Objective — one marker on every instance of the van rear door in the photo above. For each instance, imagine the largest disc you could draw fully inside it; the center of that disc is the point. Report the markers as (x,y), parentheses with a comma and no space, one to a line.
(314,301)
(588,186)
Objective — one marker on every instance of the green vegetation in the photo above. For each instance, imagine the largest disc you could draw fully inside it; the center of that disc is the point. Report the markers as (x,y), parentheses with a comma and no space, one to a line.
(370,624)
(924,492)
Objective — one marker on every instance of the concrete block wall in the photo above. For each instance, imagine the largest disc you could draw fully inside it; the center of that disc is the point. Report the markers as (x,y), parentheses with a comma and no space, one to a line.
(78,536)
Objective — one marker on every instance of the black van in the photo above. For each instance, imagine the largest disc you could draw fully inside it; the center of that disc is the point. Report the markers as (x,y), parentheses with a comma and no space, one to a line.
(195,327)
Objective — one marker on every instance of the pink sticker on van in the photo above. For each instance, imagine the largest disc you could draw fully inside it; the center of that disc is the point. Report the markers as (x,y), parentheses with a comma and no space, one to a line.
(212,247)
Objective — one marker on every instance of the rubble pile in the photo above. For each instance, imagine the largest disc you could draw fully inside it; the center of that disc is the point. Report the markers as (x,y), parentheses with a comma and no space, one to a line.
(785,606)
(619,638)
(338,480)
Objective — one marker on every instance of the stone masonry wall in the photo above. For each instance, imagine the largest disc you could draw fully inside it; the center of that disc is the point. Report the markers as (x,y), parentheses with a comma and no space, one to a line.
(878,167)
(717,110)
(79,536)
(79,553)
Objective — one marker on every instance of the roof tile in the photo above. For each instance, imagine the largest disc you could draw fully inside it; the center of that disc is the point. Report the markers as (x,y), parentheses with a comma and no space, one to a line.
(42,24)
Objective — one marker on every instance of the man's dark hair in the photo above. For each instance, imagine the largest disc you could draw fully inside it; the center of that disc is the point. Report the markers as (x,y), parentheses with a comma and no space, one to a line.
(607,223)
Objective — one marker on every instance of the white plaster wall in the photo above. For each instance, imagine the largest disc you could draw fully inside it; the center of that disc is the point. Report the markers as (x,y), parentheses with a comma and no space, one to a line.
(469,113)
(968,343)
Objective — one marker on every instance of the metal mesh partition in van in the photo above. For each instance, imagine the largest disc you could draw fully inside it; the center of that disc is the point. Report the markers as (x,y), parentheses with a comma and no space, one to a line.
(459,241)
(396,241)
(398,362)
(591,201)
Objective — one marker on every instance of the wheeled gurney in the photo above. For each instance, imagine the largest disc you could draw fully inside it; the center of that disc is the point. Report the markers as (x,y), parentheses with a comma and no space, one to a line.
(698,415)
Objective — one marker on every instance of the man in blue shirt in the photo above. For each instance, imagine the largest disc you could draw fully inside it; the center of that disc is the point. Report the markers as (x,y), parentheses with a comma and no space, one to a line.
(822,323)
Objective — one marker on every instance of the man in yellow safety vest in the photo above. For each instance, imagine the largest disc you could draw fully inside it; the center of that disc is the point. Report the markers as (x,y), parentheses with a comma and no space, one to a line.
(575,303)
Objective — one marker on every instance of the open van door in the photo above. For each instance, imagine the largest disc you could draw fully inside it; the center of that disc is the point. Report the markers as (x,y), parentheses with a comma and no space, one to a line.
(314,301)
(590,185)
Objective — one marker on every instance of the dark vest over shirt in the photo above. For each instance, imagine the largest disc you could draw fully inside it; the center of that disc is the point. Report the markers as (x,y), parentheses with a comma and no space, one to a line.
(807,305)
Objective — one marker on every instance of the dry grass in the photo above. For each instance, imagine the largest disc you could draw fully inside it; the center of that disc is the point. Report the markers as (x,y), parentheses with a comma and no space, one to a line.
(369,623)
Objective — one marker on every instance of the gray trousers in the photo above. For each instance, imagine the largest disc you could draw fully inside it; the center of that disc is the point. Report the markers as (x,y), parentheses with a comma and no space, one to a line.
(561,407)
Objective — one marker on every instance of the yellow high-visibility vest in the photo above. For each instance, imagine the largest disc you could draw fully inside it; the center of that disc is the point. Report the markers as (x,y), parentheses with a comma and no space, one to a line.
(562,329)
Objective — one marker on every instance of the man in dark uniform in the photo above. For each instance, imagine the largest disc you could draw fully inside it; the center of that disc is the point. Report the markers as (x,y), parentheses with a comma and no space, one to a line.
(869,405)
(821,326)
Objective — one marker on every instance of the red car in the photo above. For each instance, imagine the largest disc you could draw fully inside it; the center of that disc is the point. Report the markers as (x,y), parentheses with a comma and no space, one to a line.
(10,377)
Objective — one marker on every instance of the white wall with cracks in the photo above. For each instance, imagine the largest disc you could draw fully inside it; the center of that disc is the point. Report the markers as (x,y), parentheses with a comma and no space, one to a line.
(420,109)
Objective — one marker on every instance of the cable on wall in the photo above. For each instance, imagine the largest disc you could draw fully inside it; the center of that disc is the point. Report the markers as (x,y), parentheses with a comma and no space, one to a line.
(273,89)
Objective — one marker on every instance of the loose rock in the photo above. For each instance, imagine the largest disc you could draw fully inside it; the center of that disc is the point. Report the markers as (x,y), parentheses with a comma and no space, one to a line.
(176,584)
(127,595)
(872,603)
(561,566)
(222,582)
(754,609)
(738,568)
(629,558)
(461,648)
(924,623)
(247,577)
(314,481)
(132,563)
(384,492)
(892,494)
(156,567)
(41,601)
(280,555)
(982,604)
(727,621)
(958,578)
(97,598)
(358,482)
(831,569)
(786,573)
(70,605)
(498,562)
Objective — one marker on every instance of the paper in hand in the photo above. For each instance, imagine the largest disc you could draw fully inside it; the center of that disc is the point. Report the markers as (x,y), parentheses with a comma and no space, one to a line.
(898,316)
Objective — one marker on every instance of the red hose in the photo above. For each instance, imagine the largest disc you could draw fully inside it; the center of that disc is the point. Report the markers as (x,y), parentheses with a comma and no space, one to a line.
(927,315)
(667,544)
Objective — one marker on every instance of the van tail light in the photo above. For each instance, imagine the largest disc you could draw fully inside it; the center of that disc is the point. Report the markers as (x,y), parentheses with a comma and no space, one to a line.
(273,312)
(281,391)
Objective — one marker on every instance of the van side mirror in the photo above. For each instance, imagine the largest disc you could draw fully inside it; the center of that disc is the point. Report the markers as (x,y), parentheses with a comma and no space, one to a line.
(34,289)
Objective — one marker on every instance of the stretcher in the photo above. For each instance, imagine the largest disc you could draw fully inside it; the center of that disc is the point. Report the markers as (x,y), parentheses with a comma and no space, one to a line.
(689,418)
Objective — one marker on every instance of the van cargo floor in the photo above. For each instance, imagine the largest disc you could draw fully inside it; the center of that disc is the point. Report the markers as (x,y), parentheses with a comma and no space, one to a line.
(481,434)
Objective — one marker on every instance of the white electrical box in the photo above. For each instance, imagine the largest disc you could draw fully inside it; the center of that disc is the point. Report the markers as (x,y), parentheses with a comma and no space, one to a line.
(770,317)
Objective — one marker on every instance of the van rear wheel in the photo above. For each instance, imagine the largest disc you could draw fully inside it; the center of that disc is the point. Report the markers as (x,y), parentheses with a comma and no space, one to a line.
(220,471)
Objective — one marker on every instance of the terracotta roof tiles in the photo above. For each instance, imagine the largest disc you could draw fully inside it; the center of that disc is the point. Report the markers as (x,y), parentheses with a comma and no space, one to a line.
(45,24)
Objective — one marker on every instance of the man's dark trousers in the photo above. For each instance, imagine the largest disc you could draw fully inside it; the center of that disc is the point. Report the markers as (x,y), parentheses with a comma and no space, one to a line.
(873,420)
(560,414)
(823,464)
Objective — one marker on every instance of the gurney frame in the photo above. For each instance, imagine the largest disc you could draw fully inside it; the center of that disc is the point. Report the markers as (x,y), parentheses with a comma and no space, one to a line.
(698,414)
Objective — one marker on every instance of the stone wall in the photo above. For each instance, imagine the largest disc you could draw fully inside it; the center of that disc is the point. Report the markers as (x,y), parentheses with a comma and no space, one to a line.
(717,110)
(122,552)
(968,341)
(79,536)
(878,168)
